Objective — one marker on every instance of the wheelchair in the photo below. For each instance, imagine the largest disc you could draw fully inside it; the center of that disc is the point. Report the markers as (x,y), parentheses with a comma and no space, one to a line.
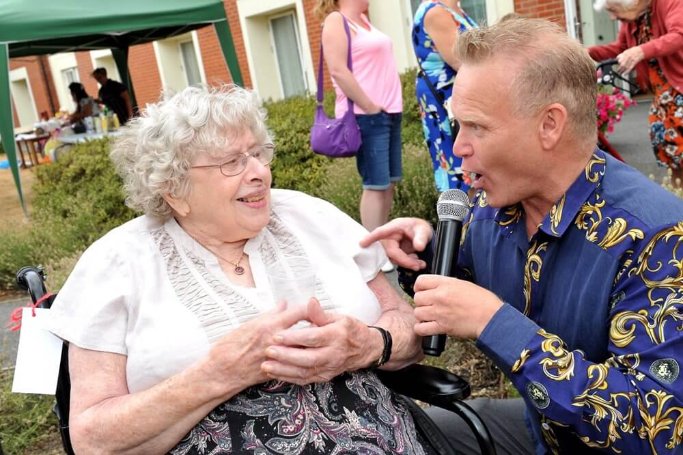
(434,386)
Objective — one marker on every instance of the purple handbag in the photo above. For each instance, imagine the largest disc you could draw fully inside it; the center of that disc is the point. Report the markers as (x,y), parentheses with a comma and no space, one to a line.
(335,137)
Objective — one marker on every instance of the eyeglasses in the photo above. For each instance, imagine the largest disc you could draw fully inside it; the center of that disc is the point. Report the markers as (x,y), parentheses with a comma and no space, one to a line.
(237,162)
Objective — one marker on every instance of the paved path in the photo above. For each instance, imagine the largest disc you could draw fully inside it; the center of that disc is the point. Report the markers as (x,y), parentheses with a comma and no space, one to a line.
(630,139)
(8,339)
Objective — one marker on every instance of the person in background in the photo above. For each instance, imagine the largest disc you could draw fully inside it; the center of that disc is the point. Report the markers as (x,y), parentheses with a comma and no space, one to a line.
(374,87)
(573,258)
(114,95)
(176,340)
(85,106)
(435,30)
(651,42)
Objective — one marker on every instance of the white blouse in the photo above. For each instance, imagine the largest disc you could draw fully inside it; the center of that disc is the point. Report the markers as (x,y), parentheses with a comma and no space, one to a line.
(149,291)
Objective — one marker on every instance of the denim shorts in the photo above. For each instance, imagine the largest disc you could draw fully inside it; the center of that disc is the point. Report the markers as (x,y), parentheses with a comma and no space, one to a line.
(379,158)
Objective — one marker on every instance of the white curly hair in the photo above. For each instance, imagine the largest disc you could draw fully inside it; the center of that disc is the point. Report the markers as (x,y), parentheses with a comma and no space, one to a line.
(600,5)
(154,152)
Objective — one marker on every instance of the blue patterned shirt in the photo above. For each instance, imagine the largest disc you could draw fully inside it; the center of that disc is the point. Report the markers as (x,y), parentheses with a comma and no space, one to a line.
(591,333)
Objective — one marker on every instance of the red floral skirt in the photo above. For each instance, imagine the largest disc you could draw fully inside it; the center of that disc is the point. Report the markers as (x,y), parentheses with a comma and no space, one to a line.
(666,119)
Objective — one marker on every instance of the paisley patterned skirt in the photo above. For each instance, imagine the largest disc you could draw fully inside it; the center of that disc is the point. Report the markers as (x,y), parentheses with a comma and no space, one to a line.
(352,414)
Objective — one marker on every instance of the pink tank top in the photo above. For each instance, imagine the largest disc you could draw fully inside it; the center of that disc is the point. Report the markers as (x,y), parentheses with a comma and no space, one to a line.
(375,70)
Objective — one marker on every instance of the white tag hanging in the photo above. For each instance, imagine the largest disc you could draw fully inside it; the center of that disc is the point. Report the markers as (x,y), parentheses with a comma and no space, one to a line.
(38,355)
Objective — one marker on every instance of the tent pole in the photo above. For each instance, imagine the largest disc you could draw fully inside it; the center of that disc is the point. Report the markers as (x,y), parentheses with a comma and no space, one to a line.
(228,47)
(7,122)
(120,55)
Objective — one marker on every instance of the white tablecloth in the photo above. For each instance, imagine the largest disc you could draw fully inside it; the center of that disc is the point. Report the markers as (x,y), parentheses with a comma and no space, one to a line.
(84,137)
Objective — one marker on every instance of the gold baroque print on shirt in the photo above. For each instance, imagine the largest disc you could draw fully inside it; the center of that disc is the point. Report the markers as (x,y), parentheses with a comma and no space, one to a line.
(617,232)
(644,268)
(556,214)
(624,324)
(661,420)
(549,434)
(482,202)
(627,364)
(512,215)
(519,363)
(532,271)
(590,219)
(559,366)
(598,373)
(607,410)
(595,168)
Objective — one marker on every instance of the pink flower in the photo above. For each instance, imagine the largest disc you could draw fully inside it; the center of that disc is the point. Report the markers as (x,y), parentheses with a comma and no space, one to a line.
(611,104)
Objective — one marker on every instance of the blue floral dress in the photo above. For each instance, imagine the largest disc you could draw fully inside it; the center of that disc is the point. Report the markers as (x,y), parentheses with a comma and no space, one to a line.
(435,122)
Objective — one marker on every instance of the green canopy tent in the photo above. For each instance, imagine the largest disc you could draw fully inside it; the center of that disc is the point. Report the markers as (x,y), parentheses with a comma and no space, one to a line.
(38,27)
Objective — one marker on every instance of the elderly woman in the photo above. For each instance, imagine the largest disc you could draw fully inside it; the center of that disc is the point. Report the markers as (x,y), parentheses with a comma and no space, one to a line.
(177,342)
(651,42)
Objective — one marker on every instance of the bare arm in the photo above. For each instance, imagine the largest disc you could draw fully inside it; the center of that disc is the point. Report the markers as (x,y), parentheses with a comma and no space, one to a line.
(443,30)
(106,418)
(129,105)
(84,111)
(335,49)
(399,319)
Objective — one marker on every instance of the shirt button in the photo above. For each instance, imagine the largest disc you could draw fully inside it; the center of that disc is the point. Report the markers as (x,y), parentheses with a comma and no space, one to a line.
(545,426)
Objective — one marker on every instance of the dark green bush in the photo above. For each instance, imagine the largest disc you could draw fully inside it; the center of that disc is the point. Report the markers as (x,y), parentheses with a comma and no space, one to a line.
(27,421)
(412,124)
(79,198)
(295,165)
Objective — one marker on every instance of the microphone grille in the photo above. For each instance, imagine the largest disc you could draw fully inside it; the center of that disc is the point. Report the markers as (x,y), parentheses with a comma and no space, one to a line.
(453,205)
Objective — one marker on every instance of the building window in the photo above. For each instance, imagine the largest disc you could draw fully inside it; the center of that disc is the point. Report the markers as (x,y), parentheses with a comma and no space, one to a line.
(288,53)
(70,75)
(190,64)
(476,9)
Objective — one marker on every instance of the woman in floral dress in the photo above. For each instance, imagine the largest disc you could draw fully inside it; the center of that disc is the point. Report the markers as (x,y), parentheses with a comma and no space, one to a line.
(435,29)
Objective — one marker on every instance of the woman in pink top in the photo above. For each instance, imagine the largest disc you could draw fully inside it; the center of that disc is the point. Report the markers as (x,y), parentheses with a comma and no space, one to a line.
(375,89)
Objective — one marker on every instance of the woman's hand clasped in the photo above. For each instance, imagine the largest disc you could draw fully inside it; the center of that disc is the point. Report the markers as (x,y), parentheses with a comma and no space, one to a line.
(332,345)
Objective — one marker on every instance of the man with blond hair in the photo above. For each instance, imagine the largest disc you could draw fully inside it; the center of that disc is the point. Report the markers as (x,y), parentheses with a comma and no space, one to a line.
(574,269)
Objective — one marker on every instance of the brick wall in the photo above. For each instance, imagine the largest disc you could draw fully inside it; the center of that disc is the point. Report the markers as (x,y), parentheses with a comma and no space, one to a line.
(85,68)
(552,10)
(142,65)
(40,81)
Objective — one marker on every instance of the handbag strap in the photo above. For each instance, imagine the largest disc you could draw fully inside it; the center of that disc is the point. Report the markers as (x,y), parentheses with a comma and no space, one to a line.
(438,96)
(349,64)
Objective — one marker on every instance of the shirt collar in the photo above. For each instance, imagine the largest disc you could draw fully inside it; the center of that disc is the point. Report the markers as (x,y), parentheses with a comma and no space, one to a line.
(565,210)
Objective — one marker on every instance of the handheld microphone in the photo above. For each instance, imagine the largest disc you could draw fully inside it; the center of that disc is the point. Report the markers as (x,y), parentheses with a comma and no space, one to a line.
(452,208)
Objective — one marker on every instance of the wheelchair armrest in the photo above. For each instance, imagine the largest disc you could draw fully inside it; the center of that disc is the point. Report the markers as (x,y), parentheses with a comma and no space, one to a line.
(32,279)
(439,387)
(426,383)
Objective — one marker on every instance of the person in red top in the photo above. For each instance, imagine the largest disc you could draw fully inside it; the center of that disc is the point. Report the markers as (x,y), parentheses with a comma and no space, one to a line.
(651,42)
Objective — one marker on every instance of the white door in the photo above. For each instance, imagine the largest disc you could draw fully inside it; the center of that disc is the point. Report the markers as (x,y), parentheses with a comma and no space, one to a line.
(596,27)
(190,65)
(23,103)
(288,54)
